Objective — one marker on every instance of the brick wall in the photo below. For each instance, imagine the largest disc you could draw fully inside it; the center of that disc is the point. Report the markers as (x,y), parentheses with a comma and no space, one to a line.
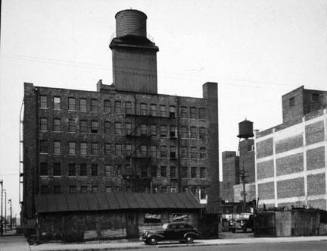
(314,132)
(316,184)
(290,188)
(290,164)
(316,158)
(264,148)
(289,143)
(265,169)
(266,191)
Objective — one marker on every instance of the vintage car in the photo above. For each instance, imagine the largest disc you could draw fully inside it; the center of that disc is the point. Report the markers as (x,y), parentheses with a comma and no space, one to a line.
(179,231)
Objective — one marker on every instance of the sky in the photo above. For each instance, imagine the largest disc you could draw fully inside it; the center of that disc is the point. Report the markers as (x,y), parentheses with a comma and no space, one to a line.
(257,50)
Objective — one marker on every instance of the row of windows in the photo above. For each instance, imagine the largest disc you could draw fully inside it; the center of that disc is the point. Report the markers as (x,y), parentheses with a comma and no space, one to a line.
(45,189)
(116,170)
(123,150)
(119,107)
(119,128)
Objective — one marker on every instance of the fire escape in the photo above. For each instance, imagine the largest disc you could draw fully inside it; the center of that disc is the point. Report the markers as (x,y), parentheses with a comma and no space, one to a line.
(21,156)
(145,146)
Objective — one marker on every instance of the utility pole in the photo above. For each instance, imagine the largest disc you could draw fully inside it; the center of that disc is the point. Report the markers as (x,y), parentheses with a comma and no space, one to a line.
(10,209)
(1,220)
(243,177)
(5,210)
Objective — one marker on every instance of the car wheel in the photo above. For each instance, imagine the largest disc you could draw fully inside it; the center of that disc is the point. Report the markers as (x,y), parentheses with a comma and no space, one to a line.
(152,241)
(188,239)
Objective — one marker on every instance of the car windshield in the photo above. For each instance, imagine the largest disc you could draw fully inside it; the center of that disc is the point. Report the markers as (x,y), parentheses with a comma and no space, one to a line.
(164,226)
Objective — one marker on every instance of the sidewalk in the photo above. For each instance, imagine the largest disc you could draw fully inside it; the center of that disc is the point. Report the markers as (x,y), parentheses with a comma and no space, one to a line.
(115,245)
(13,243)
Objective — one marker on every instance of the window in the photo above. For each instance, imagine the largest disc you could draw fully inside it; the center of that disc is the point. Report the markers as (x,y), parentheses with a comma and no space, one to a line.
(117,170)
(203,193)
(94,148)
(184,112)
(56,189)
(118,128)
(193,112)
(94,126)
(173,152)
(163,151)
(43,146)
(193,172)
(44,169)
(184,172)
(56,147)
(143,109)
(202,113)
(56,169)
(43,102)
(95,188)
(72,189)
(71,125)
(107,148)
(118,149)
(144,171)
(163,111)
(71,169)
(82,105)
(128,107)
(71,104)
(193,190)
(315,97)
(44,189)
(163,171)
(202,133)
(173,133)
(107,106)
(163,131)
(172,171)
(94,105)
(193,132)
(292,101)
(71,148)
(107,126)
(143,130)
(153,171)
(94,170)
(117,107)
(56,103)
(153,151)
(184,132)
(83,189)
(108,189)
(183,152)
(128,150)
(43,124)
(57,125)
(193,152)
(82,170)
(203,153)
(128,128)
(203,172)
(143,149)
(172,111)
(83,126)
(153,109)
(109,171)
(83,148)
(153,130)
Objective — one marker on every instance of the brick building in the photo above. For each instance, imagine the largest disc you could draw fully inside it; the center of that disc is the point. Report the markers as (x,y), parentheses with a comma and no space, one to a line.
(121,137)
(291,157)
(231,175)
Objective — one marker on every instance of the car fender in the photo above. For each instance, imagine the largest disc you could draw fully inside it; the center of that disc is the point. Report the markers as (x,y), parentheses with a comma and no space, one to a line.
(157,236)
(193,234)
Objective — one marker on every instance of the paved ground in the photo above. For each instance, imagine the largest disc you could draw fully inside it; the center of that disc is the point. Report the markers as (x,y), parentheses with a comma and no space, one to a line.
(243,242)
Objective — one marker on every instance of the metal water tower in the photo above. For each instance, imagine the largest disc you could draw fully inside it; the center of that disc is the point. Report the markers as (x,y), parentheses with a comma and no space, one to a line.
(245,129)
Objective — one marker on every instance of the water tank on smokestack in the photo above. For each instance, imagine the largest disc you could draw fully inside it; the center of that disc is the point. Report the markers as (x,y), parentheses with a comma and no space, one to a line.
(130,22)
(245,129)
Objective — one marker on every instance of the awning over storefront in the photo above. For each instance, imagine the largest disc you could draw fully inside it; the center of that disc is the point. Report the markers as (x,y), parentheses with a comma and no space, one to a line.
(114,201)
